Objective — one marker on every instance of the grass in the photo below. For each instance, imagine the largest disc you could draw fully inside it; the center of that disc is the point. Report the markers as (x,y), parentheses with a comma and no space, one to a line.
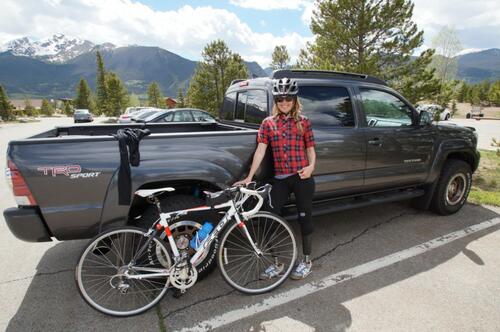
(486,180)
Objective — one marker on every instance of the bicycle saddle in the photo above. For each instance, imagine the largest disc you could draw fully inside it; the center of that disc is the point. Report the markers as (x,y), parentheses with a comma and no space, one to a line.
(153,192)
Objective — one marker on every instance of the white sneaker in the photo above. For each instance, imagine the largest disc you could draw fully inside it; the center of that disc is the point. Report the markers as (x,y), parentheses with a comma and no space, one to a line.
(301,270)
(272,271)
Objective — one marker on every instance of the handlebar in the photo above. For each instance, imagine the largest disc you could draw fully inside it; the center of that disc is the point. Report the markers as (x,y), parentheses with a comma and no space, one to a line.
(260,194)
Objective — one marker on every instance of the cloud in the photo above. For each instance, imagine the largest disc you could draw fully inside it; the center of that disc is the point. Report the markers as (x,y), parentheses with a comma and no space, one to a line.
(269,4)
(477,22)
(184,31)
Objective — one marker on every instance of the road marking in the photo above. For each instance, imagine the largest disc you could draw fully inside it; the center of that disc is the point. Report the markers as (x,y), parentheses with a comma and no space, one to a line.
(337,278)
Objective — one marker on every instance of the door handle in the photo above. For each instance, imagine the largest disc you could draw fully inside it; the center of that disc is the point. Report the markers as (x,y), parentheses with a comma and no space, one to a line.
(376,141)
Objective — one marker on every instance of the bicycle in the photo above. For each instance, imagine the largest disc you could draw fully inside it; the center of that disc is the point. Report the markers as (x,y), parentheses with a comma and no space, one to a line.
(126,271)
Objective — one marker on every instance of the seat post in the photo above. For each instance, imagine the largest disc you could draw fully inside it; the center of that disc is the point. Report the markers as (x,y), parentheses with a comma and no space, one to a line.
(157,203)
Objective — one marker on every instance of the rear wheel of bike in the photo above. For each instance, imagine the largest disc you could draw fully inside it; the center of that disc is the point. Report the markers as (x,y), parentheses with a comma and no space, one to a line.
(103,269)
(242,268)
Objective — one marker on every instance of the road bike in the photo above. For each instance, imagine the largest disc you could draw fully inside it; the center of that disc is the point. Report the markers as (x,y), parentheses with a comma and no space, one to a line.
(126,271)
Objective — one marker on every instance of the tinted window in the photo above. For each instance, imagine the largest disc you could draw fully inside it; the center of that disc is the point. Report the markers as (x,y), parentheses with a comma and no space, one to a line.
(239,114)
(256,108)
(182,116)
(201,116)
(227,112)
(384,110)
(168,117)
(327,106)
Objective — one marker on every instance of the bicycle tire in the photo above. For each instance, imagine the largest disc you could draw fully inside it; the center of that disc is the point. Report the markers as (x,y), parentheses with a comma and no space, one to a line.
(95,271)
(273,236)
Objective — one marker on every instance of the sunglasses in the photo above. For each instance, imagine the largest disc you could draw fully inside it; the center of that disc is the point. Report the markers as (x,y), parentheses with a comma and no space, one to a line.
(282,99)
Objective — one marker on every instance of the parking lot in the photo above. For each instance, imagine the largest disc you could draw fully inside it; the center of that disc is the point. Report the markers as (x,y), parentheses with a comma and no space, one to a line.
(386,267)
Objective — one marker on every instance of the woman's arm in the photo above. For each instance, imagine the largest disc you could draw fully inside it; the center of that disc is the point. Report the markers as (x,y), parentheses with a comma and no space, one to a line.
(259,154)
(307,171)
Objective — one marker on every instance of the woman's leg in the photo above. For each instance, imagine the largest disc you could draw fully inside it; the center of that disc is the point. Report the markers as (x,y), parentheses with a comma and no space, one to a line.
(304,191)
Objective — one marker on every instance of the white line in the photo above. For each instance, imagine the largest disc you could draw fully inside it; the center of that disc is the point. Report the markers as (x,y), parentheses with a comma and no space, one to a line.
(337,278)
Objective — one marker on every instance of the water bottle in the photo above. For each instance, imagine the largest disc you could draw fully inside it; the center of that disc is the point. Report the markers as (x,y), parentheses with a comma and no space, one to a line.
(202,233)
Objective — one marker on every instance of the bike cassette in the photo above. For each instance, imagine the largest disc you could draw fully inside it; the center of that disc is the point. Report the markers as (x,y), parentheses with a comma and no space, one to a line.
(183,275)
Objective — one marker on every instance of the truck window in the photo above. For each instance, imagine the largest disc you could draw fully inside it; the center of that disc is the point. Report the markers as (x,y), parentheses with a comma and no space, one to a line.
(227,111)
(239,114)
(256,108)
(382,109)
(327,106)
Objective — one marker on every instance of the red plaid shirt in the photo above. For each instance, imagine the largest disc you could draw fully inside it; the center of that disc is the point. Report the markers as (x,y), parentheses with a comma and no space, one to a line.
(287,144)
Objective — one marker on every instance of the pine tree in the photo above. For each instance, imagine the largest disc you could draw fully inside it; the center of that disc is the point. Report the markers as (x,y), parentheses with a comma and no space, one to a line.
(6,113)
(462,93)
(155,96)
(47,108)
(101,88)
(84,96)
(181,102)
(29,110)
(213,75)
(68,108)
(375,37)
(280,58)
(117,95)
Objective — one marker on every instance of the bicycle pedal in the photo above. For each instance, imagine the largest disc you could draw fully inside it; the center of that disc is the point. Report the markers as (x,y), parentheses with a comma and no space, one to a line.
(178,293)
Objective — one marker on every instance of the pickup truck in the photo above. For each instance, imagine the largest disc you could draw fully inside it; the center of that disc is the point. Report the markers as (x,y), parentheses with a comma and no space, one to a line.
(372,147)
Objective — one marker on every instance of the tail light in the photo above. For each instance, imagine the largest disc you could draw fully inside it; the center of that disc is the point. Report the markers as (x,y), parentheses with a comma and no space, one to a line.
(22,193)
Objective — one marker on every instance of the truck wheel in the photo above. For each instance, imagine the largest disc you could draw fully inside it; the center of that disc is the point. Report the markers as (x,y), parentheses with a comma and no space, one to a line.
(185,228)
(453,187)
(447,117)
(467,116)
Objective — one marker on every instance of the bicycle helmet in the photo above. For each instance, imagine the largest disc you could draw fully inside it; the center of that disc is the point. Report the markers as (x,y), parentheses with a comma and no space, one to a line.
(285,87)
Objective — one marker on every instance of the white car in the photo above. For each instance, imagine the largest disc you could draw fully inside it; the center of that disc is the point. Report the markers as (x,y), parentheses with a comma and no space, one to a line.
(433,108)
(126,117)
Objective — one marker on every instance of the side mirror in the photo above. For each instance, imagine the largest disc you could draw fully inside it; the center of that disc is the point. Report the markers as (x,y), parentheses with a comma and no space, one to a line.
(424,118)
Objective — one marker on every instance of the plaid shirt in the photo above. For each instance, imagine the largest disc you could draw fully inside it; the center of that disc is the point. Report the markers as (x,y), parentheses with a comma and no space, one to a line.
(287,144)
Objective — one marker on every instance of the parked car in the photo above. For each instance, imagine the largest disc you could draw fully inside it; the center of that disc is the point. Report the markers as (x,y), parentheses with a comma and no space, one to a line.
(82,115)
(445,114)
(179,115)
(475,112)
(126,117)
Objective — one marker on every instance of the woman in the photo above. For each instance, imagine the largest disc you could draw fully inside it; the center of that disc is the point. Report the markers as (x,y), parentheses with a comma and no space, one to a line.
(292,142)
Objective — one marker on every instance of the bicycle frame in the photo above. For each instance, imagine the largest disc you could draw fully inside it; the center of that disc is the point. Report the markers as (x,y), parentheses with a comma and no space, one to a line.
(164,219)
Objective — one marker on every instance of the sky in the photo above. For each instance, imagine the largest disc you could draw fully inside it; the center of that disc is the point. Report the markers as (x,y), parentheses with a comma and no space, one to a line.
(251,28)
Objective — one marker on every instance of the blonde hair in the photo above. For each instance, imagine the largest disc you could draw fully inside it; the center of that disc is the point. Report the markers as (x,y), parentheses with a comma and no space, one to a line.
(295,112)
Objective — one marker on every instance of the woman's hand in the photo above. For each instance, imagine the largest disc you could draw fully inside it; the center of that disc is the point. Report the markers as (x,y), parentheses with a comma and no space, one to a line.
(243,182)
(306,172)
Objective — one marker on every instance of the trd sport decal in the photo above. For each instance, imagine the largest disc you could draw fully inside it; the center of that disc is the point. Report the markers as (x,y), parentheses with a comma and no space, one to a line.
(72,171)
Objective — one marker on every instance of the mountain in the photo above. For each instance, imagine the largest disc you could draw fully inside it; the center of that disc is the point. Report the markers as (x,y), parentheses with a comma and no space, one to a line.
(137,66)
(58,48)
(479,66)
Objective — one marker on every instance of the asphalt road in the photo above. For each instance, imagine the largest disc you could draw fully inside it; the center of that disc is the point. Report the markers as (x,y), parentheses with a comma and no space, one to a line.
(486,130)
(382,268)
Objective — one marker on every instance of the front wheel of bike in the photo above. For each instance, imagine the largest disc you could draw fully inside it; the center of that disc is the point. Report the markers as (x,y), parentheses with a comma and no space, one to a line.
(243,268)
(104,274)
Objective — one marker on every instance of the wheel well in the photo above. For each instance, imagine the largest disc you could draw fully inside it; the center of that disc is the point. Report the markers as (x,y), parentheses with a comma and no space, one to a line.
(467,157)
(183,187)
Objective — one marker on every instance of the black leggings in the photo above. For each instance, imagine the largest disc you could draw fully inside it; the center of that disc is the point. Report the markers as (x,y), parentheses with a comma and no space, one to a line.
(303,189)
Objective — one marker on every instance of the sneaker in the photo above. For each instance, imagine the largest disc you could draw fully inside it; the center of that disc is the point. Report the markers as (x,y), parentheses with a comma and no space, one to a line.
(301,270)
(272,271)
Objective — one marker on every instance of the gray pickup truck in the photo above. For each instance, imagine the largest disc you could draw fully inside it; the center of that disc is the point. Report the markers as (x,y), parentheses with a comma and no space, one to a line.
(372,147)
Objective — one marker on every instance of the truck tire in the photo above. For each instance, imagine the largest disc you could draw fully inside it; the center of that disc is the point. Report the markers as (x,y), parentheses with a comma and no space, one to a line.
(468,116)
(453,187)
(185,226)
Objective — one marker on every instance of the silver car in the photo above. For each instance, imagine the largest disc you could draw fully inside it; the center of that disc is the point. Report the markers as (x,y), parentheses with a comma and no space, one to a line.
(82,115)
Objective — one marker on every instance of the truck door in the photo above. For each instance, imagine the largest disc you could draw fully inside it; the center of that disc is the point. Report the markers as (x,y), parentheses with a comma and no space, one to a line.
(340,144)
(398,149)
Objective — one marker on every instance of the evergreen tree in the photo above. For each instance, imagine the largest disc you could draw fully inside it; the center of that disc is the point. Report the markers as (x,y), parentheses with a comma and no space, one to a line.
(375,37)
(462,93)
(101,88)
(454,108)
(494,94)
(181,102)
(68,108)
(84,96)
(484,89)
(117,95)
(155,97)
(280,58)
(6,113)
(47,108)
(29,110)
(213,75)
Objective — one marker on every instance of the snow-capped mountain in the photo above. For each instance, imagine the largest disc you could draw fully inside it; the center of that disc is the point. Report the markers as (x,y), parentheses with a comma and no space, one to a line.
(58,48)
